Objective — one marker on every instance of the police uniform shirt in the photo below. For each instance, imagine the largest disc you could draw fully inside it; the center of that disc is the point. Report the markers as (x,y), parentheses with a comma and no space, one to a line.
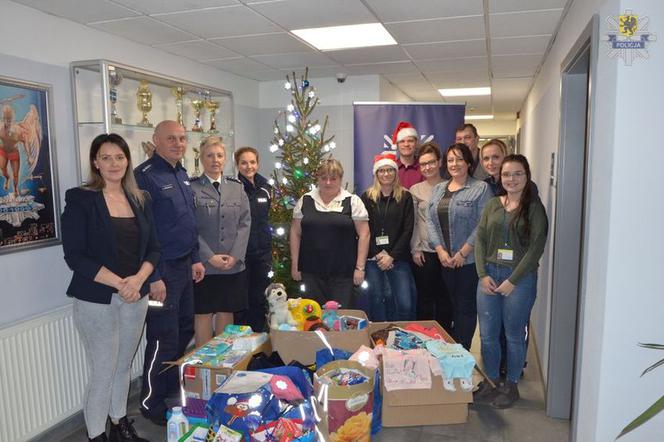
(259,194)
(173,206)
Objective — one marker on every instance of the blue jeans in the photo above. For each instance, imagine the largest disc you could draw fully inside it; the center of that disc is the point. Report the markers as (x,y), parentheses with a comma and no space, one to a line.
(391,293)
(512,312)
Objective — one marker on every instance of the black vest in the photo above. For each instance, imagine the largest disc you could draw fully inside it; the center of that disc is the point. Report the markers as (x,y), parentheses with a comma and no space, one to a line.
(328,246)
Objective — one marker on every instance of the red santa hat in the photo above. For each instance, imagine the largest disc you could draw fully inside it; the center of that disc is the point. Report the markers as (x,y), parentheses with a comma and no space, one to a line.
(404,129)
(385,159)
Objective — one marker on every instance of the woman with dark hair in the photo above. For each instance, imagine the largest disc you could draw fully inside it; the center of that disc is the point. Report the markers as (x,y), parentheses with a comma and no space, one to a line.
(511,237)
(259,249)
(391,289)
(453,214)
(433,301)
(110,243)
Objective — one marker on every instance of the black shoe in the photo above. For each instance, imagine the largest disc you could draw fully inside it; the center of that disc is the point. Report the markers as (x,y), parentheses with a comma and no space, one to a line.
(155,418)
(508,394)
(101,438)
(485,393)
(124,432)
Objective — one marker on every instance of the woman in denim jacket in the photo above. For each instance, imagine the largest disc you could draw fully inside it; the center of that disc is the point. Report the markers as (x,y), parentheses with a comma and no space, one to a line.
(453,214)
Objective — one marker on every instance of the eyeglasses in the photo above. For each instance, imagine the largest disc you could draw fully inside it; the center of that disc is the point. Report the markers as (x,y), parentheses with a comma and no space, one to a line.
(389,171)
(517,174)
(431,163)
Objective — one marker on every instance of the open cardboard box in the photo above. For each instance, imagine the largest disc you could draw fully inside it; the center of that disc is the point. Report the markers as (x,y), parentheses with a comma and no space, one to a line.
(200,381)
(302,346)
(435,406)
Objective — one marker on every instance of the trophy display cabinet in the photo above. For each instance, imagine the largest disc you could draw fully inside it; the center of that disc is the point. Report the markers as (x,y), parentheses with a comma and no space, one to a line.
(112,97)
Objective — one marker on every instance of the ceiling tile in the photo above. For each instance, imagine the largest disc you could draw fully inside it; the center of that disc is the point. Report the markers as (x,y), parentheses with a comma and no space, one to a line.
(524,23)
(454,64)
(446,29)
(382,68)
(514,65)
(198,50)
(453,49)
(379,54)
(430,95)
(453,80)
(325,71)
(238,65)
(535,44)
(143,30)
(293,60)
(299,14)
(280,43)
(520,5)
(399,10)
(408,79)
(270,75)
(82,11)
(220,22)
(162,6)
(511,88)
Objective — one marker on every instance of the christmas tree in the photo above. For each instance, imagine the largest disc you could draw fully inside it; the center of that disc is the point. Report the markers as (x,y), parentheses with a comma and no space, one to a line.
(300,146)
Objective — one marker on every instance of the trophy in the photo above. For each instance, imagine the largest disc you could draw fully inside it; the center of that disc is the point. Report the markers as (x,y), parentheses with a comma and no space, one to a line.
(144,102)
(212,106)
(198,106)
(178,93)
(114,78)
(197,158)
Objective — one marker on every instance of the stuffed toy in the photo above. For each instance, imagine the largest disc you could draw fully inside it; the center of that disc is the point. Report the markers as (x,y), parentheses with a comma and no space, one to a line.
(330,316)
(277,300)
(301,309)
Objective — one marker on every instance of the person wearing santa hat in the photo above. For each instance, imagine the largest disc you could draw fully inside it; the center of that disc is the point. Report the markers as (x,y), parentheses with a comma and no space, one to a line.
(405,139)
(391,293)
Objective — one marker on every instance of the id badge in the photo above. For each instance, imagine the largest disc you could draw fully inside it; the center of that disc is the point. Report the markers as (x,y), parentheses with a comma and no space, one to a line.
(382,240)
(505,254)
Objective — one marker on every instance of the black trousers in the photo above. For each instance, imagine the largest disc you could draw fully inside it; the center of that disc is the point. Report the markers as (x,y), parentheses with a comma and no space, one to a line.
(433,300)
(257,268)
(461,284)
(327,288)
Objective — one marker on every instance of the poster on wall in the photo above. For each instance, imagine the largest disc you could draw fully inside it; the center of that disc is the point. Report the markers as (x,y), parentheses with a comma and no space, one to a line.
(28,184)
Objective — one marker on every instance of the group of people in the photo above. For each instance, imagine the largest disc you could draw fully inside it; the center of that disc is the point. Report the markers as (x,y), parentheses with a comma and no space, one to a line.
(200,248)
(449,236)
(429,242)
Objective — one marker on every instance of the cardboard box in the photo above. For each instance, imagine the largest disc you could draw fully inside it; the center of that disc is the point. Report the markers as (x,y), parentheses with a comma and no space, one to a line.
(200,381)
(302,346)
(435,406)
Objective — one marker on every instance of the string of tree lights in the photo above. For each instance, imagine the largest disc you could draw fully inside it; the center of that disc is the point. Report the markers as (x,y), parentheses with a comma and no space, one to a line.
(299,145)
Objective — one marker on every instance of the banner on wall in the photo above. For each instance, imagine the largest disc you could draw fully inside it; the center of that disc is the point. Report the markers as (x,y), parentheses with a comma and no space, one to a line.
(374,123)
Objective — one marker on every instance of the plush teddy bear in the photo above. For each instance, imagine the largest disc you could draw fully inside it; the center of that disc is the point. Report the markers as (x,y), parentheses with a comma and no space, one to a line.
(277,300)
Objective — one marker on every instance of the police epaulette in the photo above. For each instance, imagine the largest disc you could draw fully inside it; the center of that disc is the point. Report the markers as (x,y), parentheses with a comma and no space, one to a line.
(194,178)
(233,179)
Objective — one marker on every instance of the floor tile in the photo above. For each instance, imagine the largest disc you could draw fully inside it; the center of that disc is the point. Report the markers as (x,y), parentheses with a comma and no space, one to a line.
(523,425)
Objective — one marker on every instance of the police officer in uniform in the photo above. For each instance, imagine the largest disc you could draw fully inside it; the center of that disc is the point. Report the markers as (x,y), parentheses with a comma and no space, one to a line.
(170,327)
(224,223)
(259,250)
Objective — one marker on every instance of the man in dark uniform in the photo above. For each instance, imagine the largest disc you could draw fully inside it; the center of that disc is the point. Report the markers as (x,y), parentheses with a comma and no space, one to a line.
(170,327)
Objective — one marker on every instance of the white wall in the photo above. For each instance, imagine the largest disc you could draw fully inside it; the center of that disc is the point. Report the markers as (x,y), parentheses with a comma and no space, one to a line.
(622,301)
(40,47)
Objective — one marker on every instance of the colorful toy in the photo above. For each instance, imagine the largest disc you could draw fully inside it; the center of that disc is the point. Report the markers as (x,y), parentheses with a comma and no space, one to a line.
(301,309)
(277,300)
(330,316)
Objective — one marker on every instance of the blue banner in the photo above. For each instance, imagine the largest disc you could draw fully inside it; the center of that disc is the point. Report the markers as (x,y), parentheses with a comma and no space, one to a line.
(375,122)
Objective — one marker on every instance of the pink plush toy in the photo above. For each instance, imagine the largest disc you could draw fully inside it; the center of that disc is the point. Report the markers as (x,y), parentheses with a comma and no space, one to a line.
(330,316)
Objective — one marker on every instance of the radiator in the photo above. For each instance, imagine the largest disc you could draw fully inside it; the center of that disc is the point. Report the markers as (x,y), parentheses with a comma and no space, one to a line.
(43,373)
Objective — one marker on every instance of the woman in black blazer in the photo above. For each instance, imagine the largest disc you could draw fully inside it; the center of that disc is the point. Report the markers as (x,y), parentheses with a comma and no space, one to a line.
(110,243)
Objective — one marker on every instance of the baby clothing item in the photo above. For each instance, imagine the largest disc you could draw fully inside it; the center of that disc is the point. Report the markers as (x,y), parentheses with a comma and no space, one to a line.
(456,362)
(365,356)
(405,370)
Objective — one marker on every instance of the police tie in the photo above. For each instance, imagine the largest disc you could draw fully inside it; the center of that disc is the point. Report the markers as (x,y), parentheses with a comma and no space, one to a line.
(216,186)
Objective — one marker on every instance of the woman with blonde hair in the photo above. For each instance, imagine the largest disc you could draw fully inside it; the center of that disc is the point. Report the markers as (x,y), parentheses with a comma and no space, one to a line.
(391,289)
(329,238)
(224,222)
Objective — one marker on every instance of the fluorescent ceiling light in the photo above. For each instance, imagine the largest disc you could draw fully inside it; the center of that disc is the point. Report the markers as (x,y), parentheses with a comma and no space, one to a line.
(478,117)
(465,91)
(346,37)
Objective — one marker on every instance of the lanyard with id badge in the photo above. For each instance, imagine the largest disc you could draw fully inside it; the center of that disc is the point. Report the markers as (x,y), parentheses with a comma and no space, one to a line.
(506,253)
(382,239)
